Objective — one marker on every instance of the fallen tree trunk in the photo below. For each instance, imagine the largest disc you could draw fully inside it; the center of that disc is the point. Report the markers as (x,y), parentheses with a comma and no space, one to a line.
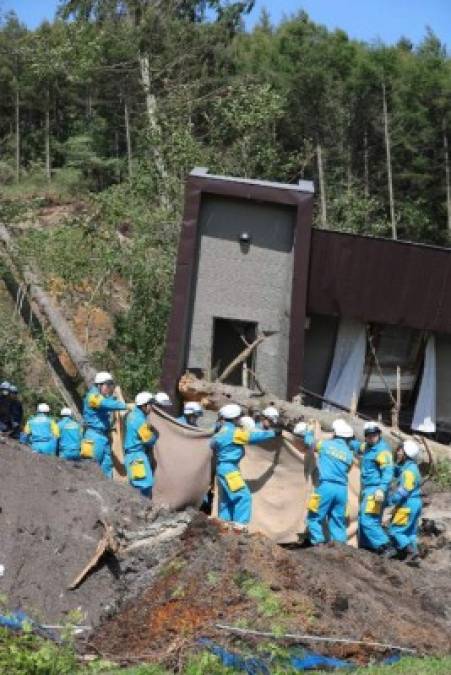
(57,321)
(213,395)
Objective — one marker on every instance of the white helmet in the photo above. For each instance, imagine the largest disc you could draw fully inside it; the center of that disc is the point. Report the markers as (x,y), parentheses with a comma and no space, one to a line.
(13,389)
(231,411)
(143,398)
(192,408)
(103,378)
(66,412)
(371,428)
(411,449)
(342,429)
(162,399)
(271,413)
(300,429)
(247,423)
(43,408)
(5,386)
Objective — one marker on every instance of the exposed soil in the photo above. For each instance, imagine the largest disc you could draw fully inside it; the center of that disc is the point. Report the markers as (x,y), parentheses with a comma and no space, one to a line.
(178,575)
(233,579)
(50,512)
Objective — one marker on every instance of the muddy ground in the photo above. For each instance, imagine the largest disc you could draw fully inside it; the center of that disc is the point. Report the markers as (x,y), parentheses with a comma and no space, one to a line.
(50,513)
(179,575)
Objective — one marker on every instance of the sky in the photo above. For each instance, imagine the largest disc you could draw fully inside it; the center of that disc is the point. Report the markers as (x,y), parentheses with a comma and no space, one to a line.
(367,20)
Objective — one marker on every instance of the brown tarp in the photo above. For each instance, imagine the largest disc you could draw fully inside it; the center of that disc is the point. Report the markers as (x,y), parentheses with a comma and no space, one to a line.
(183,462)
(279,474)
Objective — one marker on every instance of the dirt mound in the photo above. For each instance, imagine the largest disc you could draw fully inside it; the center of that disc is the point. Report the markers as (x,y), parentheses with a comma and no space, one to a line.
(176,576)
(50,513)
(242,580)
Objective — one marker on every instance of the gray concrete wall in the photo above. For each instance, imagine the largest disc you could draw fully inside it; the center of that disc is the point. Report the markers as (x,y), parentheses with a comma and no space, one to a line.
(253,286)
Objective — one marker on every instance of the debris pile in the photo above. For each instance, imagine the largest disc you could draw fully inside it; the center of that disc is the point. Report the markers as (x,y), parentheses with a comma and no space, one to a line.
(163,580)
(53,516)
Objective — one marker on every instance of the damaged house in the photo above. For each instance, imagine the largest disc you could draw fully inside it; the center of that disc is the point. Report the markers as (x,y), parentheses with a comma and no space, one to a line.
(352,319)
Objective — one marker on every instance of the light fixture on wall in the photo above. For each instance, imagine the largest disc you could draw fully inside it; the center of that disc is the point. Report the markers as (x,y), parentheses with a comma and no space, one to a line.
(245,240)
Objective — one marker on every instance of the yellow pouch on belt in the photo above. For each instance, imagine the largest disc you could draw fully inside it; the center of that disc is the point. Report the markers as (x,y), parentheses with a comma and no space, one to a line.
(234,481)
(87,449)
(138,469)
(313,502)
(372,506)
(401,516)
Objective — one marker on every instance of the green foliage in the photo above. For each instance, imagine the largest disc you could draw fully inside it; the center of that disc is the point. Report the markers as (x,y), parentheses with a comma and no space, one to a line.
(28,654)
(268,604)
(442,475)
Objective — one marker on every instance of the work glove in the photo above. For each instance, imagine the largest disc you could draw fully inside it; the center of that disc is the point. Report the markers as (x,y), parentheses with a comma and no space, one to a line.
(379,496)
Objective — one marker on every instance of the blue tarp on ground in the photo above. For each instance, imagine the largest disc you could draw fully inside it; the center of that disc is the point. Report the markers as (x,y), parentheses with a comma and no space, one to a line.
(300,659)
(16,620)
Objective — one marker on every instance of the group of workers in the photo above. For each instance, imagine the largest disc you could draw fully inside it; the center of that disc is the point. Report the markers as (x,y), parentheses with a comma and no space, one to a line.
(387,479)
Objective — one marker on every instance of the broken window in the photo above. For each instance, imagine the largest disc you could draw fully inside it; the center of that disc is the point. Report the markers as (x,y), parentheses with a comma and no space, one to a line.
(230,339)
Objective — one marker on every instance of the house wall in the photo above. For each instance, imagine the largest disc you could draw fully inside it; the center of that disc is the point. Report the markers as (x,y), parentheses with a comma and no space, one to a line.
(248,286)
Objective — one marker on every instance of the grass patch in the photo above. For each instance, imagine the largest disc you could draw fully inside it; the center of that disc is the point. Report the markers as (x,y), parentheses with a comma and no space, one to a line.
(442,474)
(268,604)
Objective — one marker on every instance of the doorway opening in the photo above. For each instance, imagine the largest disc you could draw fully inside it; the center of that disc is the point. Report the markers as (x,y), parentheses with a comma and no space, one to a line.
(230,338)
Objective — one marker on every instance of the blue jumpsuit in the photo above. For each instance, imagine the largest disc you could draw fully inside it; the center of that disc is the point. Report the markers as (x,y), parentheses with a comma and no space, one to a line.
(139,438)
(70,439)
(235,499)
(376,473)
(41,433)
(407,500)
(330,498)
(97,411)
(309,439)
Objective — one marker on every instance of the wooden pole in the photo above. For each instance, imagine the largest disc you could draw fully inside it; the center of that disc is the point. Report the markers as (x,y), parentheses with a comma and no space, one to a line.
(389,162)
(240,358)
(322,185)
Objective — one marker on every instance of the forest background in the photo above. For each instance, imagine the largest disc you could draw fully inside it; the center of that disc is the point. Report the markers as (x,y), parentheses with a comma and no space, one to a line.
(113,103)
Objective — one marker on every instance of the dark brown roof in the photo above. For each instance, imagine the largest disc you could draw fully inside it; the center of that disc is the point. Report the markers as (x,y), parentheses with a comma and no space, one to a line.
(380,280)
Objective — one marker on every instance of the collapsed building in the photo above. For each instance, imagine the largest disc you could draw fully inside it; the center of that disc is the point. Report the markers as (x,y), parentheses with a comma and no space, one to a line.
(346,318)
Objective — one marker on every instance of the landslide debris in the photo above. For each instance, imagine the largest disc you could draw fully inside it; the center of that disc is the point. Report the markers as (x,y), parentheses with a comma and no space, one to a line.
(220,577)
(51,514)
(177,575)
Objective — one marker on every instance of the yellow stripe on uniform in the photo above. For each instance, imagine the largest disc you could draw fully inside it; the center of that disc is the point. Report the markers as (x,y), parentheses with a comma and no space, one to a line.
(55,429)
(95,400)
(408,479)
(145,433)
(241,436)
(384,458)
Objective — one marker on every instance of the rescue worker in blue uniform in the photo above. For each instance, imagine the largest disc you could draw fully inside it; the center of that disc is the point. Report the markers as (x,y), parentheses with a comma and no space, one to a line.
(16,411)
(376,475)
(406,499)
(192,411)
(235,499)
(98,405)
(69,443)
(269,418)
(140,437)
(41,432)
(328,503)
(302,431)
